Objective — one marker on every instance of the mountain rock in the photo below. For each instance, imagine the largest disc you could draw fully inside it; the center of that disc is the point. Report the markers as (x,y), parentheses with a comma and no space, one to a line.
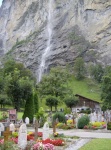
(79,28)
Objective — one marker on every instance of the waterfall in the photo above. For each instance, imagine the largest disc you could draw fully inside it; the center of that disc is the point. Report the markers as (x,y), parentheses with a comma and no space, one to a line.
(48,48)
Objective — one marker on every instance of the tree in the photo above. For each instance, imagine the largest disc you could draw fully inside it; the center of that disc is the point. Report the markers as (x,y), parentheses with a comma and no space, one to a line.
(36,102)
(4,100)
(106,91)
(19,83)
(79,68)
(97,72)
(71,101)
(29,108)
(54,83)
(52,101)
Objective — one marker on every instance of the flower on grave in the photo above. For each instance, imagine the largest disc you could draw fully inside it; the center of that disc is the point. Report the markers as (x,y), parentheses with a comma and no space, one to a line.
(1,141)
(56,134)
(40,146)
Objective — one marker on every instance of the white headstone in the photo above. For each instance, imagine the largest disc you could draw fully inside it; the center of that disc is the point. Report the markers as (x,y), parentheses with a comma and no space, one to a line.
(76,123)
(22,136)
(12,127)
(27,120)
(46,131)
(1,127)
(34,119)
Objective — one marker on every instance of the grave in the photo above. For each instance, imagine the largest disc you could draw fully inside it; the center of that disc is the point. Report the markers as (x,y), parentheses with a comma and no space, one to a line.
(27,120)
(46,131)
(12,127)
(22,136)
(1,128)
(6,134)
(12,115)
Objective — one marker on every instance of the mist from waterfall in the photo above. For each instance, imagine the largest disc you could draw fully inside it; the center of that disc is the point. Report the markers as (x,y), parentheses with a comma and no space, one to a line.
(42,66)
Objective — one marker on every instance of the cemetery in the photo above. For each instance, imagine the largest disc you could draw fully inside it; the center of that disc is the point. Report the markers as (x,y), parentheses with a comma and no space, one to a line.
(27,136)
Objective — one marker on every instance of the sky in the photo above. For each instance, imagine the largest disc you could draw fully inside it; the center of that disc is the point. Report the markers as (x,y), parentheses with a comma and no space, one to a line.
(1,2)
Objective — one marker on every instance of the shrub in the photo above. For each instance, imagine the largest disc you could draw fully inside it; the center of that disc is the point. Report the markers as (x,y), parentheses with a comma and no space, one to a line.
(109,126)
(84,120)
(60,116)
(60,125)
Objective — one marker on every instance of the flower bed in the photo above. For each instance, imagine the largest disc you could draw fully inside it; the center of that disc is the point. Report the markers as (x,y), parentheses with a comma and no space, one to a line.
(96,125)
(47,144)
(67,126)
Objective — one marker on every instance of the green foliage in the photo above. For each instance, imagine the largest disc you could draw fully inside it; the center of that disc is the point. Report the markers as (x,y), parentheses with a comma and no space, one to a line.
(106,91)
(55,83)
(40,113)
(36,102)
(84,120)
(4,100)
(79,68)
(8,145)
(18,82)
(71,101)
(60,116)
(67,110)
(29,108)
(40,116)
(97,72)
(109,126)
(52,101)
(87,111)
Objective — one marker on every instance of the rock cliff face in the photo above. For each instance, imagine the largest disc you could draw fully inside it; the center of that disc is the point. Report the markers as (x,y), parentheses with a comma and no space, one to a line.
(79,28)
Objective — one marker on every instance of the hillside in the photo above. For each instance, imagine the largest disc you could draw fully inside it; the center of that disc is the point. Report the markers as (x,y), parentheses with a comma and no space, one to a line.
(87,88)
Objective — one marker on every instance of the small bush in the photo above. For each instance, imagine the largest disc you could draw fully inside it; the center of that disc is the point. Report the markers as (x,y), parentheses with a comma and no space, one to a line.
(84,120)
(109,126)
(60,116)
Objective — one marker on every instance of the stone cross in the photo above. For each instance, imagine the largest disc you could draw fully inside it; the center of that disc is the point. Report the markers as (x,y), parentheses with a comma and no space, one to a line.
(6,134)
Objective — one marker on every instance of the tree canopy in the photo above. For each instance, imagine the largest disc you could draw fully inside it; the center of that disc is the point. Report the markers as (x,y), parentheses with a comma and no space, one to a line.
(55,83)
(106,92)
(19,82)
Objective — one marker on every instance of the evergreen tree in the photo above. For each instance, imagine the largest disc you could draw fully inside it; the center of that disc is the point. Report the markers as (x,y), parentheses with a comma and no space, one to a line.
(36,102)
(29,108)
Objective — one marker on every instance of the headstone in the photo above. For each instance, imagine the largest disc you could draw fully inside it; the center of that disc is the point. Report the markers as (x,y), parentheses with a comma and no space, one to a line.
(34,119)
(45,131)
(13,115)
(27,120)
(1,128)
(99,117)
(76,122)
(12,127)
(22,136)
(6,134)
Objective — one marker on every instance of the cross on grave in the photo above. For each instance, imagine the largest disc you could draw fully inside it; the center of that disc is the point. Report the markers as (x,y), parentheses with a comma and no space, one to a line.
(6,134)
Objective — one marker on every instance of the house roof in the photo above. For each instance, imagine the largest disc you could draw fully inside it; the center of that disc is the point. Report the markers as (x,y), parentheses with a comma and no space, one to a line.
(87,98)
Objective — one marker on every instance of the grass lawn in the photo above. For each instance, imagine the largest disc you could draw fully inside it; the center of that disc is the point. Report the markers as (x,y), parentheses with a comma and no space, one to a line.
(86,87)
(19,115)
(98,144)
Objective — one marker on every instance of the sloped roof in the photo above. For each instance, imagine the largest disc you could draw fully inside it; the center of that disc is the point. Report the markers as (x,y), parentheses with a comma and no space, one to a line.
(87,98)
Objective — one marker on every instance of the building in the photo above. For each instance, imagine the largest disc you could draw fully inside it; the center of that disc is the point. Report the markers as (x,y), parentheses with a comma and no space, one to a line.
(85,103)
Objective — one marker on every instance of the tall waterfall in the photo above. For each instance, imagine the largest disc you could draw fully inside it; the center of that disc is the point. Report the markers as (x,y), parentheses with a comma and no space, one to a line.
(42,66)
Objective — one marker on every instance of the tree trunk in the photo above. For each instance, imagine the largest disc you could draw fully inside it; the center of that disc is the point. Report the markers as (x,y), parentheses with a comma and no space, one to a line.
(36,130)
(54,127)
(51,108)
